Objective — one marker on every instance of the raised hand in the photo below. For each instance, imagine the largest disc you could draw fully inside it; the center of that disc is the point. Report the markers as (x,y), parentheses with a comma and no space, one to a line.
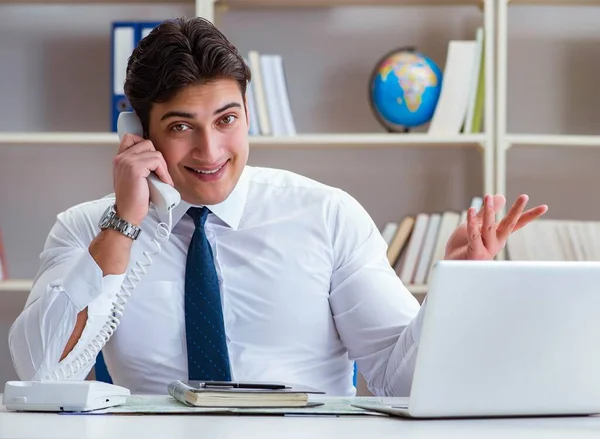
(480,237)
(134,161)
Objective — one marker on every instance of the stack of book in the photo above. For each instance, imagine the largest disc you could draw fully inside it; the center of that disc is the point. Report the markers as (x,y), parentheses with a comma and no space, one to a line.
(556,240)
(460,107)
(417,241)
(233,394)
(268,99)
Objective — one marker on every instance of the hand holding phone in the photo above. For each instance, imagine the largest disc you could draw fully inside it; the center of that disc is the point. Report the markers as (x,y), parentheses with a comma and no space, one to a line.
(140,173)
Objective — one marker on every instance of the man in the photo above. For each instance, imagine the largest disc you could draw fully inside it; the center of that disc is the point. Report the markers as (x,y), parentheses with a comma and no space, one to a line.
(266,276)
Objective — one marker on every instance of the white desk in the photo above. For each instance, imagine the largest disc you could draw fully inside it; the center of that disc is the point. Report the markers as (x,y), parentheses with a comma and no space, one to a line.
(34,425)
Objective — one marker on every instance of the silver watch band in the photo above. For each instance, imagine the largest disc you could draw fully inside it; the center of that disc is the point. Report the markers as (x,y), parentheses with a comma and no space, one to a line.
(110,220)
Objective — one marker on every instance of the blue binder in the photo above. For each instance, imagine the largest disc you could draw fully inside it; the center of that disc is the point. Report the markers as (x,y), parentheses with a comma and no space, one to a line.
(125,36)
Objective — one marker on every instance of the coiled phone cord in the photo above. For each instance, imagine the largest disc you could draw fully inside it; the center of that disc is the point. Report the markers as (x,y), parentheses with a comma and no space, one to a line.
(66,371)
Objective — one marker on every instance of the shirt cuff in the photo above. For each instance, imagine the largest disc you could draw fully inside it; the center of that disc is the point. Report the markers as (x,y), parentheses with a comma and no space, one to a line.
(85,283)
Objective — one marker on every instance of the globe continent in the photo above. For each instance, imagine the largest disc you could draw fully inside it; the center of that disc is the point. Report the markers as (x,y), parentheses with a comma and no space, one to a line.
(406,89)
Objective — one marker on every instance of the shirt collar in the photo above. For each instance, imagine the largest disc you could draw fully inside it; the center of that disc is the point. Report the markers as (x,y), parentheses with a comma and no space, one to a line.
(229,210)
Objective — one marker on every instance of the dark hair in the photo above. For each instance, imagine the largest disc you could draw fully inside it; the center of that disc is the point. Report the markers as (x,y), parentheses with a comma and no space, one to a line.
(176,54)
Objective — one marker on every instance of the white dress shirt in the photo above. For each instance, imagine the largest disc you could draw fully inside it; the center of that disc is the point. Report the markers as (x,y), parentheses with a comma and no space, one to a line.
(306,289)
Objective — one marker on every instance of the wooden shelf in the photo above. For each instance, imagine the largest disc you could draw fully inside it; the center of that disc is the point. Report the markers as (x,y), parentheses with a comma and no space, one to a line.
(555,2)
(417,289)
(264,3)
(552,140)
(368,140)
(301,140)
(60,138)
(91,2)
(336,3)
(16,285)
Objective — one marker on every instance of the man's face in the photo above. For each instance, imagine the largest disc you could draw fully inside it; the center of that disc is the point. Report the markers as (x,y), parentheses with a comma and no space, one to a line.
(203,135)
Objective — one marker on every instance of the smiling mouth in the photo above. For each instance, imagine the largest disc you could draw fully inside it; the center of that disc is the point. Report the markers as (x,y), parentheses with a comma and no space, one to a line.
(206,171)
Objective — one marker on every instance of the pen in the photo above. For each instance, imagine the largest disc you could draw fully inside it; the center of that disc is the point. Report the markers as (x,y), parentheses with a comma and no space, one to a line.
(236,385)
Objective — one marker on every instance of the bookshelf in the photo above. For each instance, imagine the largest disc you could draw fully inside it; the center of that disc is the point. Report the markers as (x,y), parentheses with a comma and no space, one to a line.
(264,3)
(214,10)
(542,144)
(506,140)
(551,140)
(300,140)
(99,145)
(484,142)
(337,3)
(553,2)
(17,285)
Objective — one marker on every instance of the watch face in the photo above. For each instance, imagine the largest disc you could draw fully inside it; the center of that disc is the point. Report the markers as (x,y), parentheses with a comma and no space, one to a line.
(106,217)
(110,220)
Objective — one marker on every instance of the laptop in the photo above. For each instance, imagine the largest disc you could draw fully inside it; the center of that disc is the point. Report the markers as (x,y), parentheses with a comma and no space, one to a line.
(507,338)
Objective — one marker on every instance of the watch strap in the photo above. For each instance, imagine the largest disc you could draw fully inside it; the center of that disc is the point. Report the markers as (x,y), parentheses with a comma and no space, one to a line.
(111,220)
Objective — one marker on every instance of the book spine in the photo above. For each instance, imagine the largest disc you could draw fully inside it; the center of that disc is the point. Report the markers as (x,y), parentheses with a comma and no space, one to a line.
(178,390)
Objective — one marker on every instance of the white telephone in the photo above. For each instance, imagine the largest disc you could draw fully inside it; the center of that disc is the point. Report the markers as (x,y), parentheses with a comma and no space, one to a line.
(56,392)
(162,196)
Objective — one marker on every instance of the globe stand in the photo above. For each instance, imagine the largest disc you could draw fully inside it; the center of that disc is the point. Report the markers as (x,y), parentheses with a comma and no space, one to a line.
(404,130)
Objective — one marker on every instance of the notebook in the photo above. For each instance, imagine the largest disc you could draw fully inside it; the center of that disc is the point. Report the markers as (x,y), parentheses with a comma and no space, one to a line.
(256,395)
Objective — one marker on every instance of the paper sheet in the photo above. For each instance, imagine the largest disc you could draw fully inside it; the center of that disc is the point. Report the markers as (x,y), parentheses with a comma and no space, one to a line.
(166,404)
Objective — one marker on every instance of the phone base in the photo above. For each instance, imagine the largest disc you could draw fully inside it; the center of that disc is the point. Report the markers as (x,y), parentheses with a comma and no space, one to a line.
(62,396)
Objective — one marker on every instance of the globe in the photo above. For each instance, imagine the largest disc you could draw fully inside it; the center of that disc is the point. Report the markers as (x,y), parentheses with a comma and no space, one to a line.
(404,89)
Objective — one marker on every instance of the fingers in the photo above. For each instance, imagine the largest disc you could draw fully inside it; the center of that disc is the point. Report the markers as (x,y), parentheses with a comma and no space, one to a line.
(488,228)
(530,215)
(128,156)
(128,141)
(143,146)
(142,158)
(141,164)
(490,232)
(163,172)
(499,202)
(475,243)
(155,162)
(508,223)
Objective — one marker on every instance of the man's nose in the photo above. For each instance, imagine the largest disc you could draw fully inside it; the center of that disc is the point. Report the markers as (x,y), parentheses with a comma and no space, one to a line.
(207,148)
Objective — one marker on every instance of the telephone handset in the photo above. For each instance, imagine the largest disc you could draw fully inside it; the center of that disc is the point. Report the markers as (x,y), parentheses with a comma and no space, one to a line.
(163,196)
(57,391)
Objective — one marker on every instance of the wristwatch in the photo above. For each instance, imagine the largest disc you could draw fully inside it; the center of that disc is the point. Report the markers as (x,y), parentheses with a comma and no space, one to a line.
(110,220)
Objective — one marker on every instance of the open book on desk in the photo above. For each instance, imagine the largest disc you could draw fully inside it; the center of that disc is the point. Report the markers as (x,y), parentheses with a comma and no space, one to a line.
(258,395)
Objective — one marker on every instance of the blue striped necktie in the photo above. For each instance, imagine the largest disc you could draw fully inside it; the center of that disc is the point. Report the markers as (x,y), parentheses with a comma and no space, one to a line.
(208,359)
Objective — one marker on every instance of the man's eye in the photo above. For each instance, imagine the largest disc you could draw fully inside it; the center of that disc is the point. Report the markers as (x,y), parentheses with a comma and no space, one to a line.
(230,118)
(180,127)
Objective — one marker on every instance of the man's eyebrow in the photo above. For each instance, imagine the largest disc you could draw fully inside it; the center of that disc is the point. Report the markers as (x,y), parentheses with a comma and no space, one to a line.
(183,114)
(227,107)
(187,115)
